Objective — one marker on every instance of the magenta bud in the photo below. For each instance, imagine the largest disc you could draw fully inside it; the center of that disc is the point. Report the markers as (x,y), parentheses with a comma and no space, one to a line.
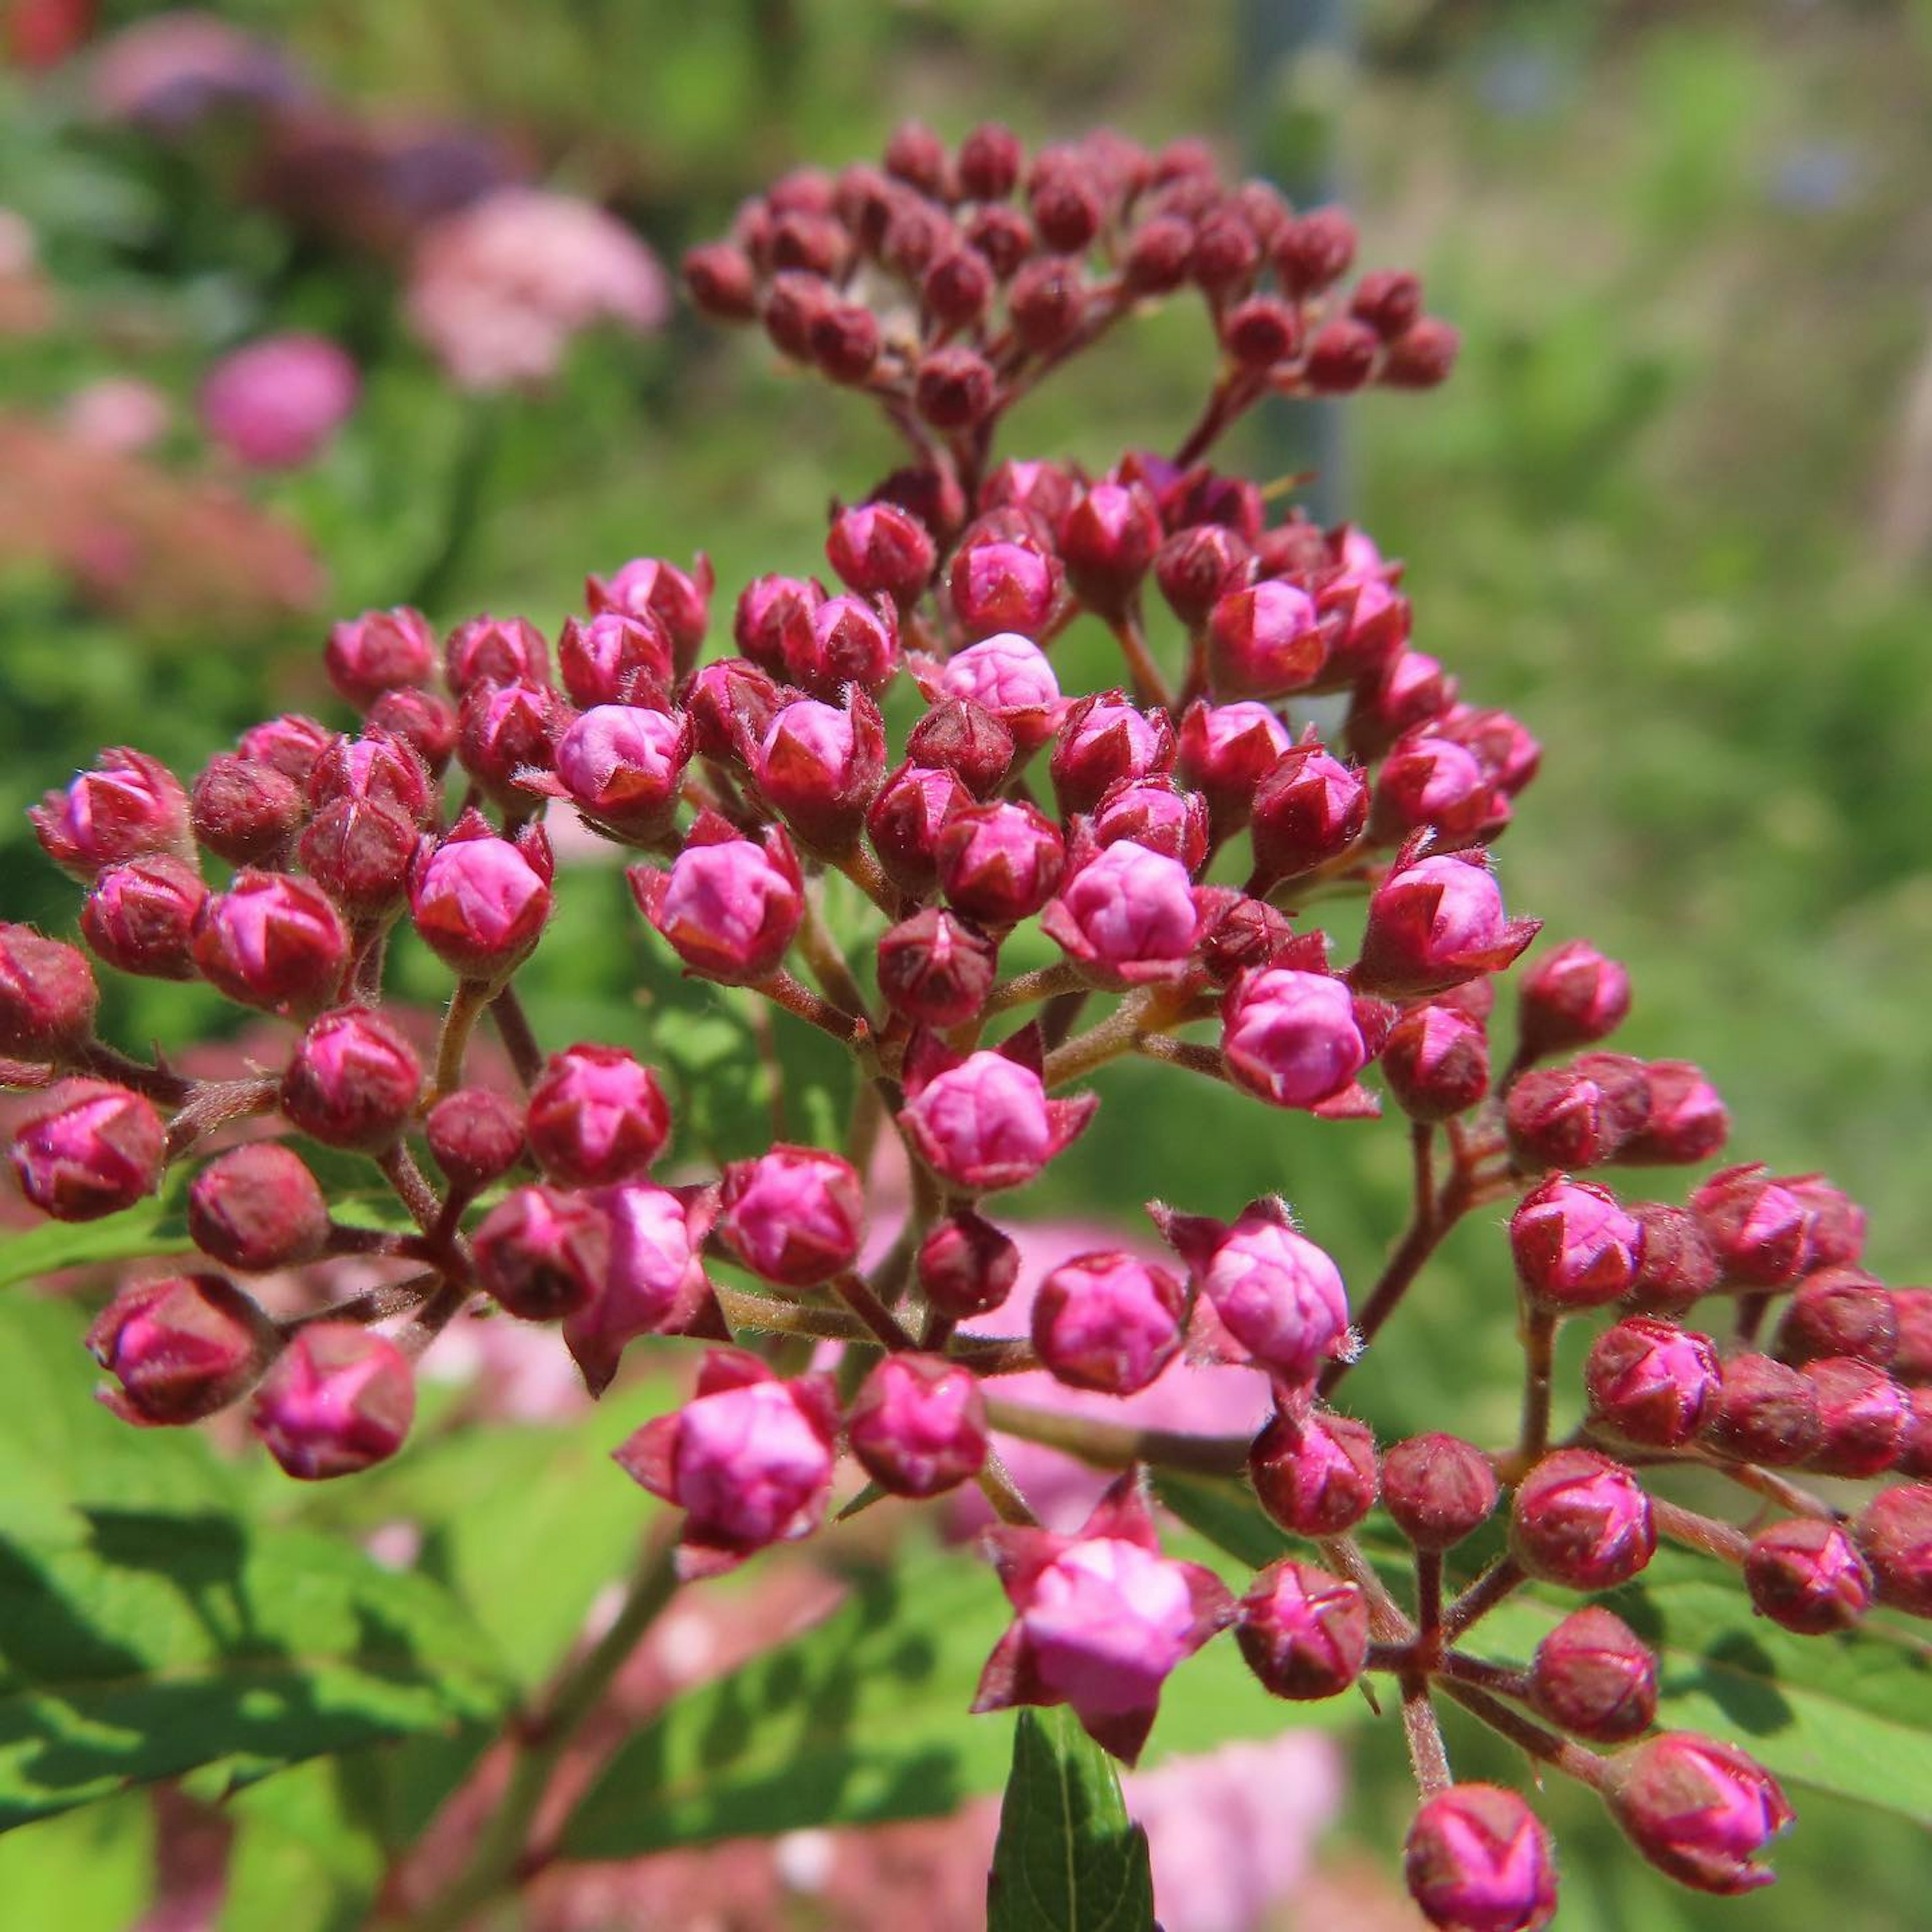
(999,863)
(543,1253)
(475,1137)
(338,1400)
(1837,1226)
(1202,569)
(244,811)
(655,1282)
(845,640)
(1405,690)
(767,607)
(376,769)
(1763,1412)
(1574,1245)
(1687,1121)
(904,820)
(1291,1037)
(1000,587)
(272,940)
(1579,1519)
(1593,1677)
(1914,1447)
(1309,809)
(1108,541)
(795,1215)
(1157,813)
(1103,741)
(1128,917)
(880,550)
(1264,642)
(1437,1489)
(128,805)
(481,902)
(498,650)
(1225,751)
(360,854)
(749,1459)
(1009,677)
(1303,1632)
(986,1123)
(1840,1311)
(619,657)
(730,702)
(918,1425)
(1573,997)
(1564,1116)
(1435,923)
(953,388)
(729,906)
(820,765)
(1912,1361)
(352,1082)
(47,994)
(936,969)
(140,916)
(1699,1811)
(1436,1061)
(257,1208)
(1108,1322)
(1316,1476)
(680,601)
(1761,1231)
(1806,1575)
(181,1348)
(966,1266)
(1677,1264)
(1477,1859)
(1894,1532)
(963,737)
(506,736)
(1427,780)
(292,743)
(426,723)
(1652,1382)
(92,1149)
(596,1116)
(1862,1414)
(623,767)
(375,652)
(1047,491)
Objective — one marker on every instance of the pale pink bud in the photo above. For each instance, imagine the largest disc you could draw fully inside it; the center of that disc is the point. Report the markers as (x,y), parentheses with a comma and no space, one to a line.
(275,403)
(918,1425)
(272,940)
(1435,923)
(1264,642)
(128,804)
(654,1282)
(623,766)
(1008,675)
(596,1116)
(479,902)
(378,651)
(1108,1322)
(1574,1245)
(795,1215)
(338,1400)
(1477,1859)
(729,906)
(1292,1038)
(1129,917)
(1108,541)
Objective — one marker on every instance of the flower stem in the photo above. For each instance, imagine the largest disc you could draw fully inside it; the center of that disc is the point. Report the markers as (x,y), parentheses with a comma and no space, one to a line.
(452,1044)
(1539,1357)
(1587,1767)
(1427,1753)
(513,1029)
(1113,1445)
(1044,982)
(1150,685)
(1501,1578)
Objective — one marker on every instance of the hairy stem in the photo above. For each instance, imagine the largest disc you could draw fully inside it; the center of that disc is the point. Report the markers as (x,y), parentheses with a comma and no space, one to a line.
(1572,1760)
(1427,1753)
(1113,1445)
(1502,1577)
(1044,982)
(1539,1357)
(513,1029)
(452,1044)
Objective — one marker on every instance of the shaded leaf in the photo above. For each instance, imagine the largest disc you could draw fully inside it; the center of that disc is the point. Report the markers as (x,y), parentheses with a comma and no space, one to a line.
(152,1227)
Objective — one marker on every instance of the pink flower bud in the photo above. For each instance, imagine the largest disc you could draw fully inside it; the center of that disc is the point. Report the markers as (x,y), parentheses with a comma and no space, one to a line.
(679,600)
(1102,1619)
(596,1116)
(1291,1037)
(47,994)
(1913,1360)
(1314,250)
(730,702)
(1277,1294)
(1478,1860)
(272,940)
(1808,1576)
(1157,813)
(543,1253)
(378,651)
(1008,675)
(1264,642)
(1837,1226)
(999,863)
(1316,1476)
(1564,1116)
(1687,1121)
(936,969)
(964,738)
(1761,1231)
(1225,751)
(1260,331)
(1109,1322)
(1102,740)
(481,902)
(821,764)
(623,765)
(1894,1532)
(904,820)
(1579,1519)
(1427,780)
(360,854)
(1046,490)
(654,1282)
(376,769)
(1574,1245)
(1341,356)
(953,388)
(352,1082)
(1434,923)
(1201,570)
(879,549)
(1303,1632)
(748,1460)
(502,650)
(140,916)
(845,640)
(729,906)
(1389,300)
(721,281)
(1592,1676)
(257,1208)
(338,1400)
(1652,1382)
(274,404)
(795,1216)
(958,287)
(1408,689)
(1677,1264)
(618,658)
(475,1137)
(1238,934)
(1699,1811)
(966,1266)
(92,1149)
(1436,1061)
(1840,1312)
(1128,917)
(245,812)
(1368,623)
(1437,1489)
(986,1123)
(181,1348)
(989,162)
(1421,356)
(128,804)
(426,723)
(1157,255)
(918,1425)
(507,735)
(1308,810)
(292,743)
(1574,996)
(1108,541)
(1763,1412)
(1862,1412)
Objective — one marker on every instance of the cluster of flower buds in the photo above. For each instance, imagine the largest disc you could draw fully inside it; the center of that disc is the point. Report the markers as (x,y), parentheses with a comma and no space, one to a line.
(1159,844)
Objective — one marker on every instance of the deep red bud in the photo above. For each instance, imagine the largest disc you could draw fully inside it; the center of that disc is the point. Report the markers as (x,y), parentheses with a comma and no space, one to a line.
(1592,1676)
(359,853)
(244,811)
(139,916)
(1560,1117)
(542,1252)
(504,650)
(878,549)
(722,282)
(1158,255)
(292,743)
(1342,356)
(1761,1231)
(810,239)
(353,1081)
(966,1266)
(337,1400)
(597,1116)
(958,735)
(1579,1519)
(730,702)
(1066,209)
(1686,1122)
(1840,1312)
(617,657)
(845,341)
(918,1425)
(1108,541)
(1895,1533)
(1156,813)
(1678,1265)
(1837,1223)
(1699,1811)
(904,820)
(1763,1412)
(915,154)
(1314,250)
(376,769)
(1423,356)
(1303,1632)
(1308,810)
(425,722)
(1315,1477)
(369,654)
(1388,300)
(999,863)
(1438,1489)
(181,1348)
(47,994)
(1047,301)
(1915,1448)
(475,1137)
(1003,237)
(989,162)
(1862,1412)
(1807,1575)
(1426,780)
(1573,997)
(1226,255)
(1200,568)
(257,1208)
(1913,1360)
(1477,1860)
(842,641)
(953,387)
(1261,331)
(1652,1382)
(1436,1061)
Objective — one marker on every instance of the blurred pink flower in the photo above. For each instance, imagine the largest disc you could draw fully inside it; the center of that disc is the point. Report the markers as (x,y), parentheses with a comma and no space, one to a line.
(167,72)
(274,403)
(498,290)
(121,414)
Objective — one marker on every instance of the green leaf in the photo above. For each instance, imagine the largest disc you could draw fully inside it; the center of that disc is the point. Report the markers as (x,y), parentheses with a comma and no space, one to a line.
(1068,1859)
(87,1871)
(304,1860)
(152,1227)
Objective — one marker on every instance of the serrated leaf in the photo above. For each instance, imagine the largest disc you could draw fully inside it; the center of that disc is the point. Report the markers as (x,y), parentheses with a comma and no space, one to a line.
(1068,1859)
